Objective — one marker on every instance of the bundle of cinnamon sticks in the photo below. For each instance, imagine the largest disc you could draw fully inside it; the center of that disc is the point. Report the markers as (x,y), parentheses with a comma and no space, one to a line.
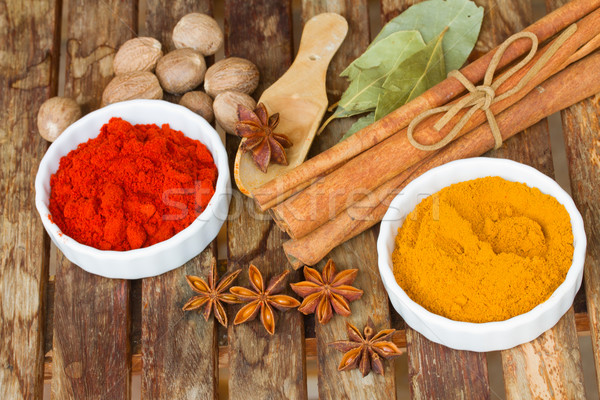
(345,190)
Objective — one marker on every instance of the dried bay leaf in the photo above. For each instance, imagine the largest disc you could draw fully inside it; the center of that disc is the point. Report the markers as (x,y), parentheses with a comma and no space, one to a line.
(361,123)
(461,22)
(387,53)
(368,72)
(418,73)
(431,17)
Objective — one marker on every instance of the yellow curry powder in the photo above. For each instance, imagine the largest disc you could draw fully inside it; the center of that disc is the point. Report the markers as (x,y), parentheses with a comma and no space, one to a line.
(483,250)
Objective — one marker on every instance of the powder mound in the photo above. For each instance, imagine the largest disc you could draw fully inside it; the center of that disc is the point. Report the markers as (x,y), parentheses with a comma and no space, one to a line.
(132,186)
(483,250)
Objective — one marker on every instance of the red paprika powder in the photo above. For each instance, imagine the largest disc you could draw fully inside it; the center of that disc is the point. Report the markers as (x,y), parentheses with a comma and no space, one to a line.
(132,186)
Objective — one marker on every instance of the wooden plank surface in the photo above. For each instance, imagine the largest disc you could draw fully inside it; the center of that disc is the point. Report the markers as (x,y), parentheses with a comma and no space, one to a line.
(27,77)
(580,128)
(359,252)
(436,371)
(581,321)
(91,314)
(549,366)
(162,15)
(580,125)
(179,349)
(261,366)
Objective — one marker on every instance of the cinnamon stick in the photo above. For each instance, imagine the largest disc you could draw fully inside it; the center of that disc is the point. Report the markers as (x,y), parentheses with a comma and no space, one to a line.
(322,201)
(300,177)
(564,89)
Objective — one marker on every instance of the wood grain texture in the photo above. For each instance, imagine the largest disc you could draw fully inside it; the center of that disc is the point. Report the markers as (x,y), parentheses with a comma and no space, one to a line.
(355,43)
(393,8)
(359,252)
(28,75)
(356,253)
(580,128)
(179,349)
(261,366)
(163,15)
(91,314)
(95,30)
(91,356)
(436,371)
(549,366)
(582,323)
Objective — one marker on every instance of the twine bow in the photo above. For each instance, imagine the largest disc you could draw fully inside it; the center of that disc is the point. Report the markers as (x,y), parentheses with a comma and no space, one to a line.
(484,96)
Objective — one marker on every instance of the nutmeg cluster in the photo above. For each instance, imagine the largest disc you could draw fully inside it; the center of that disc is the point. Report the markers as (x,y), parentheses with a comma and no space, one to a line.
(142,71)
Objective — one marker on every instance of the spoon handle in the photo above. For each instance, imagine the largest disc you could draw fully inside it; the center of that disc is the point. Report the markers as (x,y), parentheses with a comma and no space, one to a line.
(322,36)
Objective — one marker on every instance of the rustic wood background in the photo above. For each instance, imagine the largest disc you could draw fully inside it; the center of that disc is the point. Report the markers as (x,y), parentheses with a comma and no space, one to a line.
(86,336)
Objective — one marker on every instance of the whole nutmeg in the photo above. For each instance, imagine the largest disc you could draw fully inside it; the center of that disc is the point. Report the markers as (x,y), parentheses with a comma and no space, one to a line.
(55,115)
(226,105)
(231,73)
(181,70)
(200,103)
(199,32)
(139,54)
(132,85)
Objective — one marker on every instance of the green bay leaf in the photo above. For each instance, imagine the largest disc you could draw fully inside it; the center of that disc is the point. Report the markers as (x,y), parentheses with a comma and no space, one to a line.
(415,75)
(386,54)
(362,122)
(369,71)
(462,17)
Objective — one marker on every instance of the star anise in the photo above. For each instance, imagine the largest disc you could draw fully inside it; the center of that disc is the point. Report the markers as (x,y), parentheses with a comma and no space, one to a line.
(321,292)
(257,129)
(261,299)
(211,296)
(366,352)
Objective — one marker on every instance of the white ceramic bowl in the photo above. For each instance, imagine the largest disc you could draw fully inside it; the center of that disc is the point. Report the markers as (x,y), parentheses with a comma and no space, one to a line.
(163,256)
(487,336)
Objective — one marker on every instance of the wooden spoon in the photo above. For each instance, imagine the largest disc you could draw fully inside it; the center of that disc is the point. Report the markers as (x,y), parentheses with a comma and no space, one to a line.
(299,97)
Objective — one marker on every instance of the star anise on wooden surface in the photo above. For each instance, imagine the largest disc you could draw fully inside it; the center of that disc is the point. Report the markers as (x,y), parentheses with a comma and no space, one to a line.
(263,299)
(327,292)
(210,295)
(366,352)
(258,131)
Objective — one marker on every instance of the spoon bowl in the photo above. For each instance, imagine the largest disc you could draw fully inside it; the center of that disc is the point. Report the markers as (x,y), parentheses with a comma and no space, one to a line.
(299,97)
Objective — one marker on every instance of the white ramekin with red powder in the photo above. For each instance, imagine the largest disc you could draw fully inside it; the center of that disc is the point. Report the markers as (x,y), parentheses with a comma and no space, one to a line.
(160,257)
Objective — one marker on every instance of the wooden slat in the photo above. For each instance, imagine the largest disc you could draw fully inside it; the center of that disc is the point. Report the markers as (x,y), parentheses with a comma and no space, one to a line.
(91,314)
(580,125)
(28,75)
(436,371)
(91,348)
(580,128)
(179,350)
(549,366)
(162,15)
(261,366)
(581,321)
(359,252)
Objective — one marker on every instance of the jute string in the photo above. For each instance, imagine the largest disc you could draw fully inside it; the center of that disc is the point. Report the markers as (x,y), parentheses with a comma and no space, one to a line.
(483,96)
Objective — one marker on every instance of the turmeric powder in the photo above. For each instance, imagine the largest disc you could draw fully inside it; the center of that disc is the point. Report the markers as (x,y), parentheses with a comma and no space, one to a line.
(483,250)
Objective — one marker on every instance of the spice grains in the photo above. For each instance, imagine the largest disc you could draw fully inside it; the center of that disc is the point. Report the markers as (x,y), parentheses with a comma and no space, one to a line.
(132,186)
(483,250)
